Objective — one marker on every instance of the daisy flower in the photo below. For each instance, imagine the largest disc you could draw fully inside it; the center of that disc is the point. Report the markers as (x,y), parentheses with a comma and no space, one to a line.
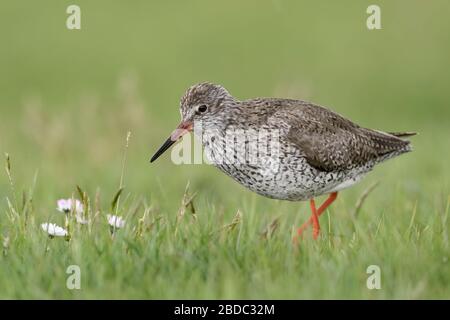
(54,230)
(66,205)
(115,221)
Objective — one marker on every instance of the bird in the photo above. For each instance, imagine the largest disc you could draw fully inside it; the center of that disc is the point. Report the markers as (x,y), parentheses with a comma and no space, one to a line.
(303,150)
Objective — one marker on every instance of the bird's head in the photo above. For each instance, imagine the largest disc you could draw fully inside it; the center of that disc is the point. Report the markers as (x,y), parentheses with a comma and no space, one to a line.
(201,102)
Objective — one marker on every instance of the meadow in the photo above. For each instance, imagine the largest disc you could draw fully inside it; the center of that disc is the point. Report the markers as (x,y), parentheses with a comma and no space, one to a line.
(70,98)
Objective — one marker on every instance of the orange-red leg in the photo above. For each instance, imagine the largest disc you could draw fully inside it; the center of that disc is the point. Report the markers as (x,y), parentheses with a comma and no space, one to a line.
(314,219)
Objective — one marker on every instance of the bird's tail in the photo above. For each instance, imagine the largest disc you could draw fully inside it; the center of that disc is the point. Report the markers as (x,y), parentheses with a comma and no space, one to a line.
(391,144)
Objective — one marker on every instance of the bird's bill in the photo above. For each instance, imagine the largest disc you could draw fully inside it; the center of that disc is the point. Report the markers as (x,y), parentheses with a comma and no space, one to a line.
(183,128)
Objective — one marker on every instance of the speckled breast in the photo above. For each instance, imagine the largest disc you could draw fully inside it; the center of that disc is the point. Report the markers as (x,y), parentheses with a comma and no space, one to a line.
(284,175)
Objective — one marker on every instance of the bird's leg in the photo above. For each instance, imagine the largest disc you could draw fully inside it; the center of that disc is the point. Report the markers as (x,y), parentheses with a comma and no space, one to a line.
(319,211)
(327,203)
(315,219)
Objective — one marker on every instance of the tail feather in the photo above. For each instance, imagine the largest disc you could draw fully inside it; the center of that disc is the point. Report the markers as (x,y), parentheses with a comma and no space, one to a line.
(403,134)
(389,144)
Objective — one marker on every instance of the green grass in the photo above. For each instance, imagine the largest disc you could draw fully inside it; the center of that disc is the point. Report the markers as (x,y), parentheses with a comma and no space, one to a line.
(69,98)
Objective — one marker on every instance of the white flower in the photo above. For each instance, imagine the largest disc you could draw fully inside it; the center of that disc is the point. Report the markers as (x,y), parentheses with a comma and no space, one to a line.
(54,230)
(66,205)
(115,221)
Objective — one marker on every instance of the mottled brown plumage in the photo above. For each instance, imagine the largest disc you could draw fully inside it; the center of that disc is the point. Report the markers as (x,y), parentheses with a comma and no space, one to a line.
(329,141)
(320,152)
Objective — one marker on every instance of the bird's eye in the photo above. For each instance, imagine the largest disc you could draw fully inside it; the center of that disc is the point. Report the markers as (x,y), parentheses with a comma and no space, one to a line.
(202,108)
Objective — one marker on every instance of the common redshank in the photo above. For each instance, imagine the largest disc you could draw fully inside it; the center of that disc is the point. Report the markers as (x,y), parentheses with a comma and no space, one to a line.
(283,148)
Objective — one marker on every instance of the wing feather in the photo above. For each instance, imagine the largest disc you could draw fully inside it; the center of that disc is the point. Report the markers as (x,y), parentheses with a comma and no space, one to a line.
(329,142)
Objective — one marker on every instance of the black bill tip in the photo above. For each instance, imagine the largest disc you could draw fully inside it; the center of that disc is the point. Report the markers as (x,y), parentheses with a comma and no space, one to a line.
(166,145)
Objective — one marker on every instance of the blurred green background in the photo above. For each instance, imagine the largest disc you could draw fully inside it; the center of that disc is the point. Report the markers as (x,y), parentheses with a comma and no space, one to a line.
(68,97)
